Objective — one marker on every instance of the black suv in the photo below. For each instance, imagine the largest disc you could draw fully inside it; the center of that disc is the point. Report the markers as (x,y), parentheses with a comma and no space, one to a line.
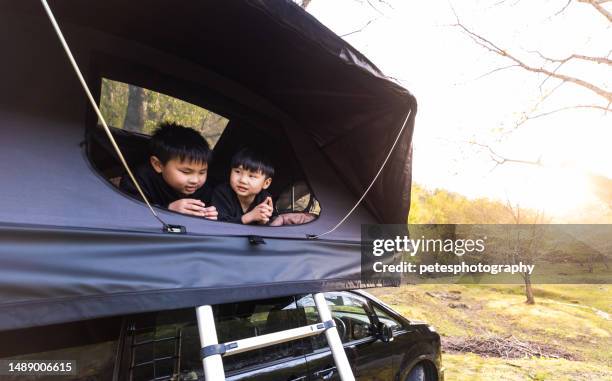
(380,344)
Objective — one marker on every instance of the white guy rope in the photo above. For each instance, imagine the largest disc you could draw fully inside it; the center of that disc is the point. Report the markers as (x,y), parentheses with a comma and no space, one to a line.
(371,184)
(95,106)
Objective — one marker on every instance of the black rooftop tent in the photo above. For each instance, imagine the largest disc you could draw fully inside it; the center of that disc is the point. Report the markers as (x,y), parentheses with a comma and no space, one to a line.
(73,247)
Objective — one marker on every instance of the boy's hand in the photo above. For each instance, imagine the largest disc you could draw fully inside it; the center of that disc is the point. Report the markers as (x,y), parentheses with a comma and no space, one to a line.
(260,214)
(210,213)
(193,207)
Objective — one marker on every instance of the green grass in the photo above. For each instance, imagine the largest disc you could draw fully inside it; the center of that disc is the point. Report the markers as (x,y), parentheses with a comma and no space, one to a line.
(570,317)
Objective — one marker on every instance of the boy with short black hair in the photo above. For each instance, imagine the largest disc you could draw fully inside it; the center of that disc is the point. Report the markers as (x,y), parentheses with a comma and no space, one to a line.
(175,175)
(245,199)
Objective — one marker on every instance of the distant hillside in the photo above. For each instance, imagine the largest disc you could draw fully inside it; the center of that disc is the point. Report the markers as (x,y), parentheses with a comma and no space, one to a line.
(440,206)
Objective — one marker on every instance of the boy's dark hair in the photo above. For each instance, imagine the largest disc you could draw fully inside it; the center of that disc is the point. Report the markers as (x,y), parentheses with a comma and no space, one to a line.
(253,161)
(171,141)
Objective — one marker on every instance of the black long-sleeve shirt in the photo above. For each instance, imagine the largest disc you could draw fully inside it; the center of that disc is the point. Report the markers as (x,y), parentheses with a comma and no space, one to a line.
(156,189)
(228,206)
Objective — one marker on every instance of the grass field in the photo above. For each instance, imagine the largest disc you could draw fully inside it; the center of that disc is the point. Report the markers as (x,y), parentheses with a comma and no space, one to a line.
(573,319)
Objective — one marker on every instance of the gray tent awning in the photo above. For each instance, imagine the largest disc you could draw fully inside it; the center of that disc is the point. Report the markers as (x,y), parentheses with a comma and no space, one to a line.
(72,247)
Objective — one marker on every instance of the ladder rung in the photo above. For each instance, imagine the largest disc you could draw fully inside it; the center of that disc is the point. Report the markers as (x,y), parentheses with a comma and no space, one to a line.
(160,359)
(141,343)
(256,342)
(212,351)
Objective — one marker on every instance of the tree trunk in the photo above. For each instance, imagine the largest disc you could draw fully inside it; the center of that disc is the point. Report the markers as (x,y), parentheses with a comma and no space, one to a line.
(135,115)
(528,289)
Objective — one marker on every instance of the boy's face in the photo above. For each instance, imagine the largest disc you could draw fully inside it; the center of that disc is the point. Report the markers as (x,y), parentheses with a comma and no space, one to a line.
(185,177)
(248,183)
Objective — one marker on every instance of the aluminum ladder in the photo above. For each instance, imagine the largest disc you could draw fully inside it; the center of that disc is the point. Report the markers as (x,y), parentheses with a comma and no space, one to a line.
(212,352)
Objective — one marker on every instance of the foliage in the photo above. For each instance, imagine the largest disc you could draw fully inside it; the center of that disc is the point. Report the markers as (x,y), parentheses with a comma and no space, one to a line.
(514,243)
(113,102)
(440,206)
(443,207)
(158,108)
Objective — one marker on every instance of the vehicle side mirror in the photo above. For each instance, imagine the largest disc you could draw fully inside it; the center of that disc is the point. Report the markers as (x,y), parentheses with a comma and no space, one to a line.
(385,333)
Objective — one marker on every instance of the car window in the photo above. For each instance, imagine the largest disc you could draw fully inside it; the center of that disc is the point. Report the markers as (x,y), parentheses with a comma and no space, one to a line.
(166,345)
(389,321)
(349,311)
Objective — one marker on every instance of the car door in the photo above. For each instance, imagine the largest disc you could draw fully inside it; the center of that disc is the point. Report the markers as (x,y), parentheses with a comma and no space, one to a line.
(370,358)
(287,369)
(402,346)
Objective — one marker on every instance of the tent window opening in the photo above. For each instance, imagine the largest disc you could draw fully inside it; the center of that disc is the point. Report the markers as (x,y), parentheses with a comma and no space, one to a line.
(136,109)
(134,113)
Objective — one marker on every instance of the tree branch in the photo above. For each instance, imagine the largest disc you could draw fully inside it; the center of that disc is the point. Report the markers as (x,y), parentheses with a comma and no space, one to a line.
(549,93)
(564,8)
(599,60)
(495,70)
(597,5)
(527,117)
(483,42)
(373,7)
(360,29)
(384,2)
(500,159)
(500,2)
(537,105)
(605,109)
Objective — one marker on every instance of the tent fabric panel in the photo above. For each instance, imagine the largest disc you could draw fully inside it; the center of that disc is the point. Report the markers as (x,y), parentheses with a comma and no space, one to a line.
(55,185)
(66,191)
(294,62)
(96,252)
(395,180)
(82,274)
(68,310)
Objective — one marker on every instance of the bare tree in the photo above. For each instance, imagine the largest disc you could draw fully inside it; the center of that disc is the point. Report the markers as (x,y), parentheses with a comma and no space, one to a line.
(525,242)
(555,73)
(552,68)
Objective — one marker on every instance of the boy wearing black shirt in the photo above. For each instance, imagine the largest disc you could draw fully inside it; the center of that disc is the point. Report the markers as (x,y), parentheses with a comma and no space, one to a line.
(175,176)
(246,199)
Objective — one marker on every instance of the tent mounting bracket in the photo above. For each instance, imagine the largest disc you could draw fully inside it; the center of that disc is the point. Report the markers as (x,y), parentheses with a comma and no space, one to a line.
(174,229)
(256,240)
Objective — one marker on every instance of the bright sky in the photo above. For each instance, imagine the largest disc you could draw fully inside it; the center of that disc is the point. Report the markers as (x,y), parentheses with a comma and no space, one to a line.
(443,67)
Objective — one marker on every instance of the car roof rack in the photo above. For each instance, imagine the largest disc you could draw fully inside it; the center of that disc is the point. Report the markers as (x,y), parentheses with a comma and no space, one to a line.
(212,351)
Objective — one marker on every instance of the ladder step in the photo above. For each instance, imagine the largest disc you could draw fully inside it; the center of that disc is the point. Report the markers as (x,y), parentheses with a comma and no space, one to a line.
(212,352)
(256,342)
